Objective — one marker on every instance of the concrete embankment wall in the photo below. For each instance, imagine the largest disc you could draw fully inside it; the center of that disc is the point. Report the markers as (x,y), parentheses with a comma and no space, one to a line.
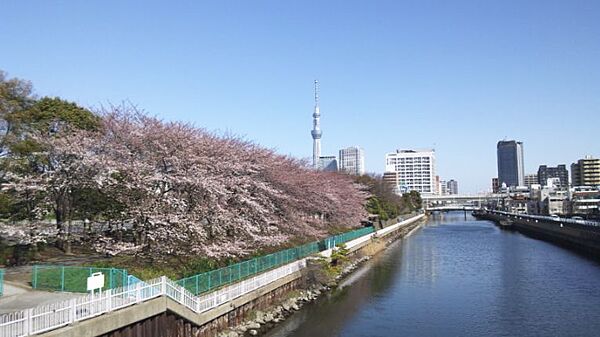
(585,239)
(165,317)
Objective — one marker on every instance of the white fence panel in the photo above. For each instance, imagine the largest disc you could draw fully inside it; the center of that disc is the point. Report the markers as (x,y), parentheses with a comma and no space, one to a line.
(55,315)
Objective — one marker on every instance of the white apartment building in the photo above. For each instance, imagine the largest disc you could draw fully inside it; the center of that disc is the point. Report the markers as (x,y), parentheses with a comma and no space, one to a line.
(352,160)
(412,170)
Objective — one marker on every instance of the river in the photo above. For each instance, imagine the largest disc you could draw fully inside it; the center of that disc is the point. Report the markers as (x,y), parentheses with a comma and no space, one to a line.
(460,277)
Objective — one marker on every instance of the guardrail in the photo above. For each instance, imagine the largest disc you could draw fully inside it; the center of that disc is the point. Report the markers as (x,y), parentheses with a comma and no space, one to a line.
(548,218)
(49,317)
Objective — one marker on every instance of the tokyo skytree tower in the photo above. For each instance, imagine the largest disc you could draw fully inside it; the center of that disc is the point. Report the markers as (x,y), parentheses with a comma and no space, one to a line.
(316,131)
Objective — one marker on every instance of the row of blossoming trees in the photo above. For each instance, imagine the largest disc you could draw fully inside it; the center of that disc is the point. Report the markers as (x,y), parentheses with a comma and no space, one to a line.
(175,189)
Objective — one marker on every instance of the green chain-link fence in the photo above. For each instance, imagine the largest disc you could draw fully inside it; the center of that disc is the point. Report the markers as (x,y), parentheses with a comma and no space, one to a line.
(1,282)
(74,279)
(216,278)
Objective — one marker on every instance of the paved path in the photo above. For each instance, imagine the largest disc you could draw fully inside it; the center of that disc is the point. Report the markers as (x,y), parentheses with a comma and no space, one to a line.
(17,297)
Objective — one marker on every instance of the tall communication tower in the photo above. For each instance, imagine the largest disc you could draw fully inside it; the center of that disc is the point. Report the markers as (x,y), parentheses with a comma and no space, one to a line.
(316,131)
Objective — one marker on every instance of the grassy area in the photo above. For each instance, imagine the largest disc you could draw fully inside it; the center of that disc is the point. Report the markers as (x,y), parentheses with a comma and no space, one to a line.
(74,279)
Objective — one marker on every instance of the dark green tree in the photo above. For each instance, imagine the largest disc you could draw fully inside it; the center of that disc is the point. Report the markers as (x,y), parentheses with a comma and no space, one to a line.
(23,121)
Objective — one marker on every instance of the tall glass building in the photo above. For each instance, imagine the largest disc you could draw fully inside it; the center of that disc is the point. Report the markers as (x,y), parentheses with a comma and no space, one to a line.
(510,163)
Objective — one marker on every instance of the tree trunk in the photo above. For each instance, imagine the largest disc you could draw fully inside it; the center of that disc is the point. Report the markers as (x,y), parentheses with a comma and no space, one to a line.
(58,213)
(67,243)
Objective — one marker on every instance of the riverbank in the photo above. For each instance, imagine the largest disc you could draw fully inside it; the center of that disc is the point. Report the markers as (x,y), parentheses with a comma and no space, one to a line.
(317,280)
(568,233)
(458,277)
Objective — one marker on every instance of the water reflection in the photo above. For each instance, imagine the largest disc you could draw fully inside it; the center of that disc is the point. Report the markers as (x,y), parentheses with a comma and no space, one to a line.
(458,277)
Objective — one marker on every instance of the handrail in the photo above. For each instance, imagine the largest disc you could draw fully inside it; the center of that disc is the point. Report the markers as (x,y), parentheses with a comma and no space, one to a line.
(59,314)
(55,315)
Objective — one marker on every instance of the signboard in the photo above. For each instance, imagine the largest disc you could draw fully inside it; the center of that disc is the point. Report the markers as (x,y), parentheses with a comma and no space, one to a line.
(95,281)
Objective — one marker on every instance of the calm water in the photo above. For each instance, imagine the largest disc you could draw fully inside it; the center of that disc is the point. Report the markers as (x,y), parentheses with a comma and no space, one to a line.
(460,278)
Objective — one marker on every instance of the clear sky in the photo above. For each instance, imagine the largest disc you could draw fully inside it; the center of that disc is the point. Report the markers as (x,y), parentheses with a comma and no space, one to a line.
(454,75)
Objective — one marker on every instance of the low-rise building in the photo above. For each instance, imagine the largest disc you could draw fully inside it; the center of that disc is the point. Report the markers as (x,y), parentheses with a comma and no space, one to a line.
(585,201)
(548,199)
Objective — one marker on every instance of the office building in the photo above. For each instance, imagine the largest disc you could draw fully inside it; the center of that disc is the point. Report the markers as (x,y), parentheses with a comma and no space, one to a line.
(510,163)
(328,163)
(586,172)
(352,160)
(411,170)
(560,172)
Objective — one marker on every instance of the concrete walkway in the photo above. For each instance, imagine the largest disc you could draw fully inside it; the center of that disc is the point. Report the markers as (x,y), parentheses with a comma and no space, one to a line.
(17,297)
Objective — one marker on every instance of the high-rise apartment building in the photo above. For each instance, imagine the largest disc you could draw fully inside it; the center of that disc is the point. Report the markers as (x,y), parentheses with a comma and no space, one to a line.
(531,179)
(352,160)
(452,187)
(560,172)
(495,185)
(586,172)
(411,170)
(440,186)
(510,163)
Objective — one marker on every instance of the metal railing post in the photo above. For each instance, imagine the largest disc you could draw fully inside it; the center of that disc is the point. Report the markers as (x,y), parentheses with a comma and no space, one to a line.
(137,292)
(35,274)
(73,310)
(27,322)
(109,292)
(163,285)
(62,278)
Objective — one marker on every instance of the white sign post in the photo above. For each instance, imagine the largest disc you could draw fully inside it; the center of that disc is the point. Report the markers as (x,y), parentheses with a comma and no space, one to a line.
(95,281)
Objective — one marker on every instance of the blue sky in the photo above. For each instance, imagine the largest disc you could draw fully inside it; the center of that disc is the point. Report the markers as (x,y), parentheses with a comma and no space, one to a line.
(454,75)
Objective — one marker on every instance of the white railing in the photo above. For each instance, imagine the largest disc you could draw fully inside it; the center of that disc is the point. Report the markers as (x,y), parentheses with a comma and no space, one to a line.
(55,315)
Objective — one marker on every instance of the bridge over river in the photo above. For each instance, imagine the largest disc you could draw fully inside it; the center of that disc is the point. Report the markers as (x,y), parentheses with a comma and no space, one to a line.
(459,202)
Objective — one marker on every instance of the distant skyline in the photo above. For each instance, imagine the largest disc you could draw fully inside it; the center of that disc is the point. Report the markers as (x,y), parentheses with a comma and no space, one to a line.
(454,76)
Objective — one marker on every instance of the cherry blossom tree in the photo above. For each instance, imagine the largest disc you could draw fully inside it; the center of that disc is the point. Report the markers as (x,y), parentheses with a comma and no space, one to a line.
(186,191)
